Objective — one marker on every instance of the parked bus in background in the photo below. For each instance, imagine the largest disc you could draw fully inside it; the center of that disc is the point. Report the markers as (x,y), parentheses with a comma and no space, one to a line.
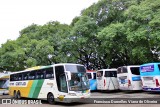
(92,79)
(55,83)
(129,78)
(4,83)
(107,79)
(150,75)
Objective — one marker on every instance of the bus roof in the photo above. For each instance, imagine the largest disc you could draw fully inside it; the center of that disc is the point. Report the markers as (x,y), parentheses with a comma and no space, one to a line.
(112,69)
(150,63)
(43,67)
(91,71)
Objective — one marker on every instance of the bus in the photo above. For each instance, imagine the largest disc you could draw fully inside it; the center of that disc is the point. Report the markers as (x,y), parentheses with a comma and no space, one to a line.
(150,76)
(129,77)
(4,84)
(64,82)
(92,80)
(107,79)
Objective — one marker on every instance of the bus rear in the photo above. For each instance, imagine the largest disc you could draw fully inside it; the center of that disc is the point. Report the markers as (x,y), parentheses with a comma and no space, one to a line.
(150,75)
(129,78)
(107,79)
(92,79)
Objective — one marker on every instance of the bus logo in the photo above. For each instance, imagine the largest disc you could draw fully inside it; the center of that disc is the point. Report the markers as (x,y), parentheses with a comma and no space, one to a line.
(149,68)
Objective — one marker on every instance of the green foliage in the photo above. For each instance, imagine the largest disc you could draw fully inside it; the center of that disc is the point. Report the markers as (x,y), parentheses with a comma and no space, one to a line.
(109,33)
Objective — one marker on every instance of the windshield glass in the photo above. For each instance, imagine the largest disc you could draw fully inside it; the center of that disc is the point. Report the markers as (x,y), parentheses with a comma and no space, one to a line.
(99,73)
(78,82)
(89,75)
(110,74)
(135,70)
(75,68)
(4,84)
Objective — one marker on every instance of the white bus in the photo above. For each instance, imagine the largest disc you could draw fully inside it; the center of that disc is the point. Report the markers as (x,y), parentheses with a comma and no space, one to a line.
(92,80)
(55,83)
(150,76)
(107,79)
(129,77)
(4,84)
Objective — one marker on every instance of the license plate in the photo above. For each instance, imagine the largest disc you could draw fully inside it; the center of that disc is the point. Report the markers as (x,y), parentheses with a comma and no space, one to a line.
(122,81)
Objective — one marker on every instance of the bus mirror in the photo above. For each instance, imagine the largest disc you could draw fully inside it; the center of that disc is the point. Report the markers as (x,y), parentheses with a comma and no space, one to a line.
(68,73)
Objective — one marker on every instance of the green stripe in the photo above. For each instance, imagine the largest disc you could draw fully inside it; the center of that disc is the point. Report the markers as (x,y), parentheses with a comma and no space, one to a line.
(38,88)
(33,88)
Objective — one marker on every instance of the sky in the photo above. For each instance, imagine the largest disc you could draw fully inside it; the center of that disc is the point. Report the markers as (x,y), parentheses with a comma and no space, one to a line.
(16,15)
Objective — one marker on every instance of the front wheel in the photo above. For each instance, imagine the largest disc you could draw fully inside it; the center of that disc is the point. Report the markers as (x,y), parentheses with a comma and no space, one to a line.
(15,95)
(50,98)
(18,95)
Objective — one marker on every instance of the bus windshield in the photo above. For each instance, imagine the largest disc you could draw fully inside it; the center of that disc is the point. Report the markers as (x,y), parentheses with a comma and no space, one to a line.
(3,84)
(78,82)
(99,73)
(122,70)
(110,74)
(75,68)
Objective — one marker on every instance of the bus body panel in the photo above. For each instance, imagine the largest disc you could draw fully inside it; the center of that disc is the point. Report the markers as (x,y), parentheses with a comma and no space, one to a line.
(127,79)
(109,81)
(150,76)
(54,83)
(92,80)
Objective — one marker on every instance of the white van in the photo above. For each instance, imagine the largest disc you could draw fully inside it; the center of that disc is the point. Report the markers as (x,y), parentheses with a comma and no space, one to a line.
(107,79)
(129,77)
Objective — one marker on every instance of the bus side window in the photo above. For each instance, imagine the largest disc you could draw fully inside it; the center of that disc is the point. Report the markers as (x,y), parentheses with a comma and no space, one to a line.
(15,77)
(49,73)
(25,76)
(20,76)
(12,77)
(39,74)
(31,75)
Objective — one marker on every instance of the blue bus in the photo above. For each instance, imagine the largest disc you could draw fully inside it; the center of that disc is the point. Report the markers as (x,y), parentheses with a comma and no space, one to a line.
(150,76)
(92,80)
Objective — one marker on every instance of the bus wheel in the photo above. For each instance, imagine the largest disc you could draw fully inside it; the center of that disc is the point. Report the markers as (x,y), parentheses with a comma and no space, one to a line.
(14,94)
(18,95)
(50,98)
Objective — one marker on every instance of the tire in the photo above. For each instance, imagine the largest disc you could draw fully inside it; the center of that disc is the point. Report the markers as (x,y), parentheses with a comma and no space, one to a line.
(18,95)
(50,98)
(15,95)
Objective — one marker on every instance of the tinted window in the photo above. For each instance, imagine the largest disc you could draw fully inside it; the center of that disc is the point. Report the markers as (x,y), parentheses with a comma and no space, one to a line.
(94,75)
(89,75)
(110,74)
(75,68)
(40,74)
(99,73)
(122,70)
(49,73)
(135,70)
(25,75)
(20,76)
(59,71)
(159,66)
(32,75)
(15,76)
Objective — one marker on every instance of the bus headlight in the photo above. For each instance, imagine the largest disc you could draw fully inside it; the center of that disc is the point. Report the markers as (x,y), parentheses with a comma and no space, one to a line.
(72,94)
